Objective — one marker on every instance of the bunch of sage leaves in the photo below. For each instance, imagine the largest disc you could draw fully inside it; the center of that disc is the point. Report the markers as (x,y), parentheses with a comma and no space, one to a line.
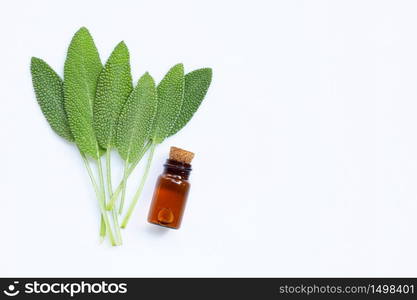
(99,109)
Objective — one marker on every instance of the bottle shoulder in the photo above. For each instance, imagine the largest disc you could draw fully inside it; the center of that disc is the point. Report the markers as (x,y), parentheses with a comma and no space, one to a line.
(174,179)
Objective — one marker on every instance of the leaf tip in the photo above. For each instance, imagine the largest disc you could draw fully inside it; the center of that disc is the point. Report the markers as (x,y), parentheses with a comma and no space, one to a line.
(147,76)
(35,63)
(82,29)
(33,60)
(121,44)
(209,72)
(122,47)
(205,72)
(179,67)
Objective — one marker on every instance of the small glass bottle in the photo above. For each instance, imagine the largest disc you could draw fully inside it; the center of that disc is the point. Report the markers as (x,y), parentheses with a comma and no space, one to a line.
(171,190)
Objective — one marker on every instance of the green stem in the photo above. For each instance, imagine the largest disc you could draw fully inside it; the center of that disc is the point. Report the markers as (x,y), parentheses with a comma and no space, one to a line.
(108,172)
(132,167)
(118,235)
(102,229)
(124,182)
(140,188)
(102,202)
(90,173)
(117,227)
(96,190)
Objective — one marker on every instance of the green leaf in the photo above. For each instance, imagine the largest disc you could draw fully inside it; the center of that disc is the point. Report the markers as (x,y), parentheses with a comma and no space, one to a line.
(195,89)
(113,87)
(170,97)
(136,119)
(81,71)
(50,96)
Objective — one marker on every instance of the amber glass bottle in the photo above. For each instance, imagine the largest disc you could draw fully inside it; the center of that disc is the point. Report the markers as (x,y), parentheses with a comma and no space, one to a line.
(171,190)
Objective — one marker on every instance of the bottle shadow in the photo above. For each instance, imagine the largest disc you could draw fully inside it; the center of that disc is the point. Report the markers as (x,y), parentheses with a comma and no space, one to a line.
(157,231)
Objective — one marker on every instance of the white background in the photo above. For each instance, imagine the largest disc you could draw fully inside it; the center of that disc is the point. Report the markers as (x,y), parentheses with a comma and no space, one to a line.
(306,145)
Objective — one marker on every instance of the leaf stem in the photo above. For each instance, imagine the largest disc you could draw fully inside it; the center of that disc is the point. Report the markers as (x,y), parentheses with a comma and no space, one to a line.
(132,167)
(102,202)
(140,188)
(102,229)
(124,182)
(90,173)
(96,190)
(117,227)
(108,172)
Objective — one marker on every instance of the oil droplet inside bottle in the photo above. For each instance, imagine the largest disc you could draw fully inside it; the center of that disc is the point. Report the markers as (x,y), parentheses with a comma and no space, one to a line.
(165,216)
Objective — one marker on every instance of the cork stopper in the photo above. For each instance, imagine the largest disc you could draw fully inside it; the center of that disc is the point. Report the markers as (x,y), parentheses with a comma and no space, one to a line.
(181,155)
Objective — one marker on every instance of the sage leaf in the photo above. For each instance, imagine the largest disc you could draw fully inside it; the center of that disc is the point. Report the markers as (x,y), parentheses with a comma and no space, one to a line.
(113,88)
(50,96)
(170,97)
(136,119)
(81,71)
(196,84)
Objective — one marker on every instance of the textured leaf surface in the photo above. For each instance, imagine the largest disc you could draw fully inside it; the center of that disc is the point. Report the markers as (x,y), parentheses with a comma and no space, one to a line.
(50,95)
(136,119)
(195,89)
(82,68)
(170,97)
(113,87)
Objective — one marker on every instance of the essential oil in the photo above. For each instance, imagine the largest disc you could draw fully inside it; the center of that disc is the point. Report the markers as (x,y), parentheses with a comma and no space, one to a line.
(171,190)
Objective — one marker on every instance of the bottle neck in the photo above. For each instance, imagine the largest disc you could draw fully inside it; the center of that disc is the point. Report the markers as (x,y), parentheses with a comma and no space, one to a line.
(180,169)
